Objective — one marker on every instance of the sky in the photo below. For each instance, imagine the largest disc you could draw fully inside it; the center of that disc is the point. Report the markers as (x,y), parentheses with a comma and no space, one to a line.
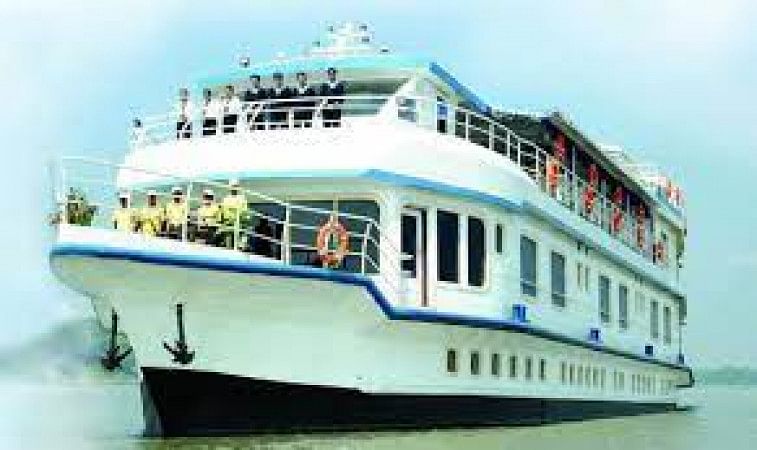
(673,81)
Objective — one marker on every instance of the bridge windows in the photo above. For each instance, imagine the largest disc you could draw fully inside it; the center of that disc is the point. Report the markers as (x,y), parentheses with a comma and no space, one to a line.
(528,265)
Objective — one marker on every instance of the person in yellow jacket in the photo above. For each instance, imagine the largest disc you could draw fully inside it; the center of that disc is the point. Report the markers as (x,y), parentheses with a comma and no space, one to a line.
(123,216)
(176,214)
(208,218)
(234,216)
(152,216)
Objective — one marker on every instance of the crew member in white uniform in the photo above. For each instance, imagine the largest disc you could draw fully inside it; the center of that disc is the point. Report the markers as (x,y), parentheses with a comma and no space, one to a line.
(210,112)
(184,115)
(231,109)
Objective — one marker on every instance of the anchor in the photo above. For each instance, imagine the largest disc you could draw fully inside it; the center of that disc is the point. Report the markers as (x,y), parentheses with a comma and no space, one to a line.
(180,351)
(113,358)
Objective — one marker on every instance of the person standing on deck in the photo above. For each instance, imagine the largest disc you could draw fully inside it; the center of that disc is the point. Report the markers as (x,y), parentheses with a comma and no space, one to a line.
(123,216)
(152,217)
(332,114)
(208,218)
(280,110)
(234,215)
(256,93)
(210,113)
(184,115)
(303,112)
(231,109)
(176,214)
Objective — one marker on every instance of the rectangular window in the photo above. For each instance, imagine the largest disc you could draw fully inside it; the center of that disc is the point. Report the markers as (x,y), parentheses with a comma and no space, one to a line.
(623,307)
(579,275)
(580,375)
(495,364)
(542,369)
(448,246)
(476,251)
(475,363)
(666,330)
(527,266)
(604,299)
(563,372)
(529,368)
(451,360)
(558,279)
(498,238)
(572,374)
(513,366)
(654,319)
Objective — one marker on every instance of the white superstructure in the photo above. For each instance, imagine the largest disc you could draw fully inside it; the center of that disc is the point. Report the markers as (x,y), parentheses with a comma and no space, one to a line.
(490,275)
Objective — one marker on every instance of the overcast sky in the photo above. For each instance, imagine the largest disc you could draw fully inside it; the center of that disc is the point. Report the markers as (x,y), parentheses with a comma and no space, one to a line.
(674,81)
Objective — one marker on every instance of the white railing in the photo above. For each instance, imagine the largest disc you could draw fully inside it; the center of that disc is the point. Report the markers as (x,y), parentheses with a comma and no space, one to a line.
(87,195)
(567,188)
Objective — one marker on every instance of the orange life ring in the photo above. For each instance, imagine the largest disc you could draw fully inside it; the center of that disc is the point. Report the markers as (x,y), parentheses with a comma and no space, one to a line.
(332,257)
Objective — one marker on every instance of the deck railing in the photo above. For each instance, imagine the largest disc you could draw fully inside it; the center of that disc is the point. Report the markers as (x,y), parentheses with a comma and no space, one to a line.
(562,184)
(87,195)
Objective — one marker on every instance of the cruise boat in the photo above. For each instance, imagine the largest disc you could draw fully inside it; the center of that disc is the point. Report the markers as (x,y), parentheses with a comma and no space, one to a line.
(406,255)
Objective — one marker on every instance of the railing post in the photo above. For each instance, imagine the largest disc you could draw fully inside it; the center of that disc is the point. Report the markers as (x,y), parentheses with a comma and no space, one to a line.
(285,243)
(467,126)
(519,157)
(491,136)
(364,251)
(508,143)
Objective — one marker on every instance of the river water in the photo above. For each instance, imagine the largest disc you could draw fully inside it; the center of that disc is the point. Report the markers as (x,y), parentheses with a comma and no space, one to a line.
(109,417)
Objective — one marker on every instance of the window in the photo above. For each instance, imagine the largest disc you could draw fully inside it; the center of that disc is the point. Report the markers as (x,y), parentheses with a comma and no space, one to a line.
(529,368)
(451,361)
(542,369)
(448,242)
(498,238)
(558,279)
(666,331)
(587,374)
(475,363)
(527,266)
(602,378)
(495,364)
(476,251)
(563,372)
(580,375)
(595,377)
(513,366)
(654,319)
(572,374)
(582,277)
(623,307)
(604,299)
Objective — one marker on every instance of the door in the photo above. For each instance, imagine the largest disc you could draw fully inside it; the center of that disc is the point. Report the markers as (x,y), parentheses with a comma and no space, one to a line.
(414,256)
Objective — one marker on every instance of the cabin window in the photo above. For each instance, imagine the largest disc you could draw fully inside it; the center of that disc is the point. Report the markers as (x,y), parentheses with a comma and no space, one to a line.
(476,251)
(654,319)
(529,368)
(542,369)
(666,331)
(604,299)
(496,364)
(580,375)
(498,238)
(572,374)
(528,266)
(475,363)
(451,360)
(448,246)
(623,306)
(558,279)
(563,372)
(513,366)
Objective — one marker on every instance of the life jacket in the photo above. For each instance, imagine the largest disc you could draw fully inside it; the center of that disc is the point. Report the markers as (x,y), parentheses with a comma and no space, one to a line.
(176,213)
(231,206)
(123,219)
(209,215)
(150,219)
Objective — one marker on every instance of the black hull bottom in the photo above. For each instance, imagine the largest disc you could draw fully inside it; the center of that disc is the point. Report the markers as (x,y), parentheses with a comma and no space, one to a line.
(190,403)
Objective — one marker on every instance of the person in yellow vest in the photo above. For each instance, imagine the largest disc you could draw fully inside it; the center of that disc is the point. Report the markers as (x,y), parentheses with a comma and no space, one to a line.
(123,216)
(152,216)
(234,216)
(208,218)
(176,214)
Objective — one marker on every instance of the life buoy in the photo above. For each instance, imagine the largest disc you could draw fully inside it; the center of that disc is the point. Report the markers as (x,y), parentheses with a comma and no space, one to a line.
(332,257)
